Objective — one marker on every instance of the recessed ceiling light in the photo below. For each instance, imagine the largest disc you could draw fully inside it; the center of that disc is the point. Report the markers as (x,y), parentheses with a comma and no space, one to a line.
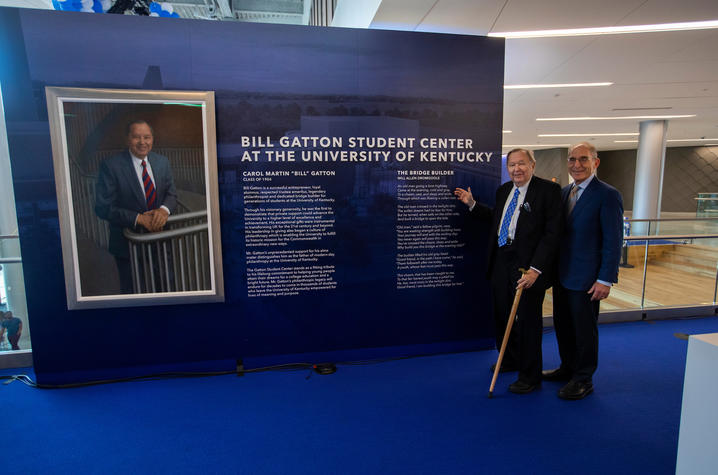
(641,108)
(541,86)
(589,135)
(610,30)
(626,141)
(625,117)
(507,131)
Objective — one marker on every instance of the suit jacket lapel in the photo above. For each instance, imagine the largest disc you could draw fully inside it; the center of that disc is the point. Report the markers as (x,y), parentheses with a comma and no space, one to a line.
(133,183)
(528,200)
(585,197)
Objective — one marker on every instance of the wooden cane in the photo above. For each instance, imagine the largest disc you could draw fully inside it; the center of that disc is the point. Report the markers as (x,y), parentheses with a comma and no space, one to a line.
(509,325)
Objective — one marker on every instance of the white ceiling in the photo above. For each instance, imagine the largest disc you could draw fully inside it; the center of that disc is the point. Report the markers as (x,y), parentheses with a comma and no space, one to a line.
(654,73)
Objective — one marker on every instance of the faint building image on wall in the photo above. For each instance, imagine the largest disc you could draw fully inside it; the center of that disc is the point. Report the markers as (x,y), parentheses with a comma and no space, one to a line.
(175,259)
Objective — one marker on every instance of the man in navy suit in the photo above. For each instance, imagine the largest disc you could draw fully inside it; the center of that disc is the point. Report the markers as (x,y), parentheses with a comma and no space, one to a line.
(587,267)
(525,229)
(134,190)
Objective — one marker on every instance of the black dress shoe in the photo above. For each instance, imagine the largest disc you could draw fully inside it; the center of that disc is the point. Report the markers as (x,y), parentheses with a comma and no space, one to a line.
(521,387)
(558,374)
(576,390)
(505,368)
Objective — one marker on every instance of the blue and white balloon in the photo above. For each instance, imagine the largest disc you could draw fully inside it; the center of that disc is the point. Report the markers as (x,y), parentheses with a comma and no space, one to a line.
(163,9)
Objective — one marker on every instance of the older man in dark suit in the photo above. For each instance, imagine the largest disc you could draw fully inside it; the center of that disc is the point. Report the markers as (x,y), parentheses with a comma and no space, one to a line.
(588,265)
(525,229)
(134,190)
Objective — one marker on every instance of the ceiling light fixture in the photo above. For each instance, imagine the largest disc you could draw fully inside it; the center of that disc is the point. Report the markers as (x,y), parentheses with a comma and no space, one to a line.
(610,30)
(590,135)
(570,84)
(669,140)
(507,131)
(641,108)
(625,117)
(537,145)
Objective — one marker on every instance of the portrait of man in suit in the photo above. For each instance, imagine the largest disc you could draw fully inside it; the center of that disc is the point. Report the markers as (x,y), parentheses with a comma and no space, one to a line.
(136,176)
(589,256)
(135,189)
(525,227)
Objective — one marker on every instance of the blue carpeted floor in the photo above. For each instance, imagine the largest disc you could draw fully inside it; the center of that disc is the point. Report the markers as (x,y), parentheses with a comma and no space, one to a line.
(419,416)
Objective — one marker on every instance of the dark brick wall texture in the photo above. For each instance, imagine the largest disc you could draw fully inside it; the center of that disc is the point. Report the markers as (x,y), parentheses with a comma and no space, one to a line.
(687,172)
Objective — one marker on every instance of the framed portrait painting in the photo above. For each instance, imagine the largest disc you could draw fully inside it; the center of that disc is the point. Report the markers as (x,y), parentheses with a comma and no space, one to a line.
(136,182)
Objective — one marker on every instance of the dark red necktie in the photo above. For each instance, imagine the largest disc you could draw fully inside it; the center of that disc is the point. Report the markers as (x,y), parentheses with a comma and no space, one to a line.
(150,193)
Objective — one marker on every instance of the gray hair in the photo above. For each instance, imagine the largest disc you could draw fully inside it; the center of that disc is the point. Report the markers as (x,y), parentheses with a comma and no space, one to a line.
(526,151)
(591,148)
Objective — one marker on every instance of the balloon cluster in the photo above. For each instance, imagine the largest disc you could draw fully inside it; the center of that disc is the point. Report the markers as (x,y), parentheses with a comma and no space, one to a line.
(96,6)
(162,9)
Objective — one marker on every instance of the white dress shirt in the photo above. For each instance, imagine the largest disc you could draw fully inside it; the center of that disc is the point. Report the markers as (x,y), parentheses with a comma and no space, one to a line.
(515,216)
(137,163)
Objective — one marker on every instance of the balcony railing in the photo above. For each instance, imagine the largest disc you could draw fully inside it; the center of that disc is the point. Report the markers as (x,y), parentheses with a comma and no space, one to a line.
(669,268)
(12,268)
(83,184)
(9,260)
(83,204)
(173,260)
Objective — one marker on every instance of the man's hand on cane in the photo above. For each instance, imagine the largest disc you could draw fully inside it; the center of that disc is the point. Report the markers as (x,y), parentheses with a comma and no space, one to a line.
(527,279)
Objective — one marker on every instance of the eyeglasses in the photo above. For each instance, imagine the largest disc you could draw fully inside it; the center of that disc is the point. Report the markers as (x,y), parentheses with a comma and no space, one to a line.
(581,160)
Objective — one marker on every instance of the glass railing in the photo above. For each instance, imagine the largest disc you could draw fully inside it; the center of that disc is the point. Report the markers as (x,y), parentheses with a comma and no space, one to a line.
(667,264)
(15,341)
(674,265)
(707,205)
(671,226)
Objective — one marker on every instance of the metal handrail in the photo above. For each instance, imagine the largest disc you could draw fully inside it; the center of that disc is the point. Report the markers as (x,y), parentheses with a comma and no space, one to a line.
(184,216)
(653,237)
(10,260)
(658,220)
(175,259)
(170,233)
(150,237)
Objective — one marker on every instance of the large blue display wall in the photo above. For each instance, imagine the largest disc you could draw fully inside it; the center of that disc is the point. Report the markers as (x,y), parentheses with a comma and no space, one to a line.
(405,270)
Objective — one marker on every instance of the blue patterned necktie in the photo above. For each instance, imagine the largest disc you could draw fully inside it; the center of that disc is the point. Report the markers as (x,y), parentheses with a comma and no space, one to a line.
(504,231)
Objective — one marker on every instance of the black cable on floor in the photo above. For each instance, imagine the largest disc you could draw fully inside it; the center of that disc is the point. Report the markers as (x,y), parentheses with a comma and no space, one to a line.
(199,374)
